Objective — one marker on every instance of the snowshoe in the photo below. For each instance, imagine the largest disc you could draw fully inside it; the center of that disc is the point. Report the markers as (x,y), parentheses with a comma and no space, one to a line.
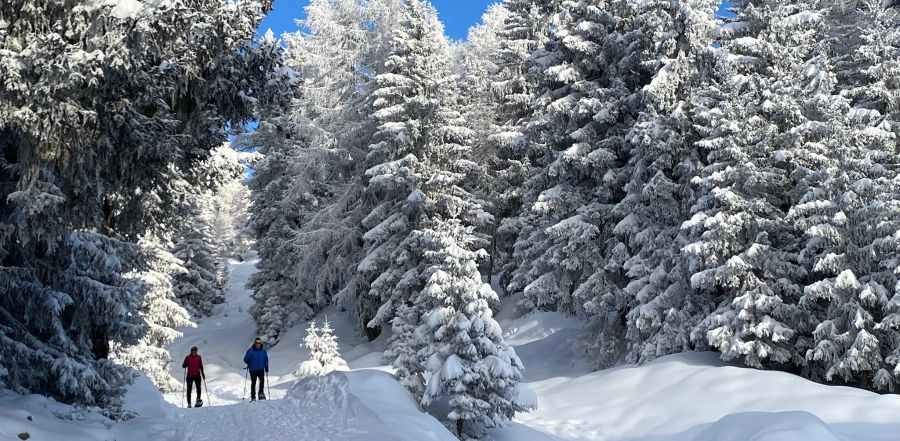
(199,403)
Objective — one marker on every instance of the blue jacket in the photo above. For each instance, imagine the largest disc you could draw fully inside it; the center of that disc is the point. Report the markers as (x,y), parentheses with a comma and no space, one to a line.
(256,359)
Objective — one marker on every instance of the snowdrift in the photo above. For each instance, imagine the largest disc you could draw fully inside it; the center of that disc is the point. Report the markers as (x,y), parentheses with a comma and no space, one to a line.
(682,397)
(44,419)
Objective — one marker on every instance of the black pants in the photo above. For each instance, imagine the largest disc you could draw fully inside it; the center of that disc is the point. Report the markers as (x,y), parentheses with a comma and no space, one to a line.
(191,379)
(257,375)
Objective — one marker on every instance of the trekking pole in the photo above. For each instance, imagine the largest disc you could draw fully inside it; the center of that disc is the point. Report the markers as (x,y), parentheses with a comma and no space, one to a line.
(268,386)
(244,393)
(183,382)
(208,395)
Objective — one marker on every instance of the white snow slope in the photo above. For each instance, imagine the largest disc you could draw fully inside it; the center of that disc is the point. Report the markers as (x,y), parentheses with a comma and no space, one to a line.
(685,397)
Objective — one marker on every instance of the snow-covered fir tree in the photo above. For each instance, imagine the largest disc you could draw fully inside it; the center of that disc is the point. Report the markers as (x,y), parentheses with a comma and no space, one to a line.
(664,158)
(794,234)
(329,129)
(584,108)
(414,111)
(515,61)
(403,349)
(225,202)
(335,88)
(607,136)
(206,230)
(160,310)
(95,123)
(275,220)
(742,251)
(843,201)
(324,354)
(199,287)
(226,211)
(466,358)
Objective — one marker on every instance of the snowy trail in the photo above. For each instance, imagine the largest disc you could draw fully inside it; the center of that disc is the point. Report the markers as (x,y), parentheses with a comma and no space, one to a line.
(365,404)
(272,419)
(222,338)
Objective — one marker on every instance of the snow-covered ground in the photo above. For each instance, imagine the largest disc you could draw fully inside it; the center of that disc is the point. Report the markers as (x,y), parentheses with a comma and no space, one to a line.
(685,397)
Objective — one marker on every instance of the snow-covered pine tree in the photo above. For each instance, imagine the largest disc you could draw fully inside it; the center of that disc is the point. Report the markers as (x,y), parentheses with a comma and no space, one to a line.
(159,309)
(311,367)
(329,352)
(792,227)
(513,82)
(413,110)
(275,216)
(428,221)
(611,77)
(575,105)
(475,61)
(876,100)
(226,211)
(329,124)
(201,250)
(765,131)
(844,201)
(94,122)
(199,287)
(324,354)
(335,90)
(659,194)
(224,200)
(467,359)
(403,349)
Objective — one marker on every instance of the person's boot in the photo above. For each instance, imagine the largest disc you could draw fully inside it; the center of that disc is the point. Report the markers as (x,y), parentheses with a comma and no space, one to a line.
(189,401)
(262,396)
(252,397)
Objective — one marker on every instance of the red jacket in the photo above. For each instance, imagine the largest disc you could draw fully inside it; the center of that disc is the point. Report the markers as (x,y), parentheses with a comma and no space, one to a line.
(194,365)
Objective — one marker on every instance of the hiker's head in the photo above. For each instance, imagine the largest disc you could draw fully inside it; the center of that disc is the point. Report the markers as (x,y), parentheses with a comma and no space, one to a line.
(257,343)
(193,350)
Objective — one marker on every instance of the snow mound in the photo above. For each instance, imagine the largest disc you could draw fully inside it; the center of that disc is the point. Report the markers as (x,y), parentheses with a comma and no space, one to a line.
(763,426)
(43,418)
(682,397)
(327,390)
(392,414)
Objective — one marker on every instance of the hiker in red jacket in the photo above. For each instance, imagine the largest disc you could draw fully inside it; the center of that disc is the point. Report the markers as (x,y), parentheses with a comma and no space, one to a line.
(194,365)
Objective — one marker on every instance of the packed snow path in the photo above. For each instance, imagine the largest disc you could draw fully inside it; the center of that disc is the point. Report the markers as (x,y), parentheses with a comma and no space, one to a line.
(365,404)
(362,405)
(222,339)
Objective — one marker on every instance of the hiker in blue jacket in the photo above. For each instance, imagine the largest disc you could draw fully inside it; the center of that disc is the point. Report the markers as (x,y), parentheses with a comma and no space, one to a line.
(257,361)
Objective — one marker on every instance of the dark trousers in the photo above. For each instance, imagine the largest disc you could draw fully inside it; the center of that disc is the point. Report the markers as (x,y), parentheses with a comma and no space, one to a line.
(191,379)
(257,375)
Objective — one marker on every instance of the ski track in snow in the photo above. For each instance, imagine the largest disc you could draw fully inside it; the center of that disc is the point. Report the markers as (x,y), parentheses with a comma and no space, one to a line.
(263,420)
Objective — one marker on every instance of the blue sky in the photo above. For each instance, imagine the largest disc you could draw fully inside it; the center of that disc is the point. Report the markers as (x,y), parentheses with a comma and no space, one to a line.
(458,15)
